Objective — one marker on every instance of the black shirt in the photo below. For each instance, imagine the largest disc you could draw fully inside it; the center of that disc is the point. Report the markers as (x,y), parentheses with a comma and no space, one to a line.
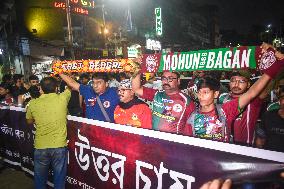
(273,125)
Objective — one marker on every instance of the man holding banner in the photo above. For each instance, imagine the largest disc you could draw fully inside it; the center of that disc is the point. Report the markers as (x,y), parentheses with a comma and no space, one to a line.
(100,99)
(243,126)
(170,107)
(213,122)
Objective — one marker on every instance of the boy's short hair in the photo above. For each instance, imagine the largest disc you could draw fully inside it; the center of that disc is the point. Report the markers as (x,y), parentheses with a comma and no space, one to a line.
(208,82)
(100,75)
(33,77)
(34,91)
(6,78)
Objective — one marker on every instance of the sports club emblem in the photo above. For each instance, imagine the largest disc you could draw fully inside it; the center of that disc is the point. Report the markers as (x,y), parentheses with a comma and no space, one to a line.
(106,104)
(134,117)
(91,101)
(267,59)
(177,108)
(152,63)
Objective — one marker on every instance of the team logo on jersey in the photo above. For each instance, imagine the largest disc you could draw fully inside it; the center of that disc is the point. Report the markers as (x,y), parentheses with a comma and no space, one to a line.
(91,101)
(106,104)
(177,108)
(134,117)
(168,108)
(167,100)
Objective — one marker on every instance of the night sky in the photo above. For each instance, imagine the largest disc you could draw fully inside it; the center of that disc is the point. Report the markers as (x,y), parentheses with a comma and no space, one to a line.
(241,14)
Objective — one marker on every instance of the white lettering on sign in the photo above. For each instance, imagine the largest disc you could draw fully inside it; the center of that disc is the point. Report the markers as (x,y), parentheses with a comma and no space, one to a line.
(174,62)
(227,59)
(7,130)
(181,61)
(245,58)
(176,176)
(210,60)
(188,62)
(20,134)
(83,160)
(167,62)
(220,59)
(103,167)
(101,162)
(153,45)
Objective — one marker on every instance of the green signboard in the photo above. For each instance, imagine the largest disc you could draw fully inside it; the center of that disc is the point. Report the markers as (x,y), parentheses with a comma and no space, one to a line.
(159,25)
(214,59)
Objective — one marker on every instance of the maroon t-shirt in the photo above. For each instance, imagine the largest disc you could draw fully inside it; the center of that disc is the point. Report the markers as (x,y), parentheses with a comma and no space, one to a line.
(244,124)
(169,112)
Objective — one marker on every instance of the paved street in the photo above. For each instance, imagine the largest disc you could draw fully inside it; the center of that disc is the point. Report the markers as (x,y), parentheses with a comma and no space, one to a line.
(12,179)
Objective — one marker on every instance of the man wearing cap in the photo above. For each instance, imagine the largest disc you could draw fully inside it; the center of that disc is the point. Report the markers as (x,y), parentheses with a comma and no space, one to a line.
(170,106)
(131,110)
(243,126)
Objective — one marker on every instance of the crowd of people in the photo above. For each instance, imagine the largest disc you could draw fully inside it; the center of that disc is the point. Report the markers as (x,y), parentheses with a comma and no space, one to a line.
(202,110)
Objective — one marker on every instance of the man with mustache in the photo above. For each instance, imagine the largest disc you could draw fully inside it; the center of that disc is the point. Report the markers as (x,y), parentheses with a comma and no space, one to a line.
(218,122)
(131,110)
(170,106)
(244,125)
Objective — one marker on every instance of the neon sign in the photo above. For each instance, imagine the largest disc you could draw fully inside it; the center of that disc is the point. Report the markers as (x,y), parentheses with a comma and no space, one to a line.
(79,10)
(159,25)
(80,3)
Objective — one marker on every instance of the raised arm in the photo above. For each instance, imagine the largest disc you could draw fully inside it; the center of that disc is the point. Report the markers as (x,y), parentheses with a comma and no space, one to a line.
(254,90)
(136,85)
(272,63)
(70,82)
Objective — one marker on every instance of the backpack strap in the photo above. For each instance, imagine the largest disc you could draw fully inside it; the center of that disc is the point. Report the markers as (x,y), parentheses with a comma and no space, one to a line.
(232,131)
(103,109)
(222,118)
(191,121)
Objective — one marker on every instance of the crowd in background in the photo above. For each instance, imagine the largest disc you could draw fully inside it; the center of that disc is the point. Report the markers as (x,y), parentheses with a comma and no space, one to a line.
(15,90)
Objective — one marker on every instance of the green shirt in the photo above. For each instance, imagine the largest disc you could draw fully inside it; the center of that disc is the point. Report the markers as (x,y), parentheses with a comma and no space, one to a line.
(50,114)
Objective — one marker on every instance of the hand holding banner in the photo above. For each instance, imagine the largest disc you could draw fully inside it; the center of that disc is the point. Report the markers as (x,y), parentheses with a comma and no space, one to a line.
(104,65)
(244,57)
